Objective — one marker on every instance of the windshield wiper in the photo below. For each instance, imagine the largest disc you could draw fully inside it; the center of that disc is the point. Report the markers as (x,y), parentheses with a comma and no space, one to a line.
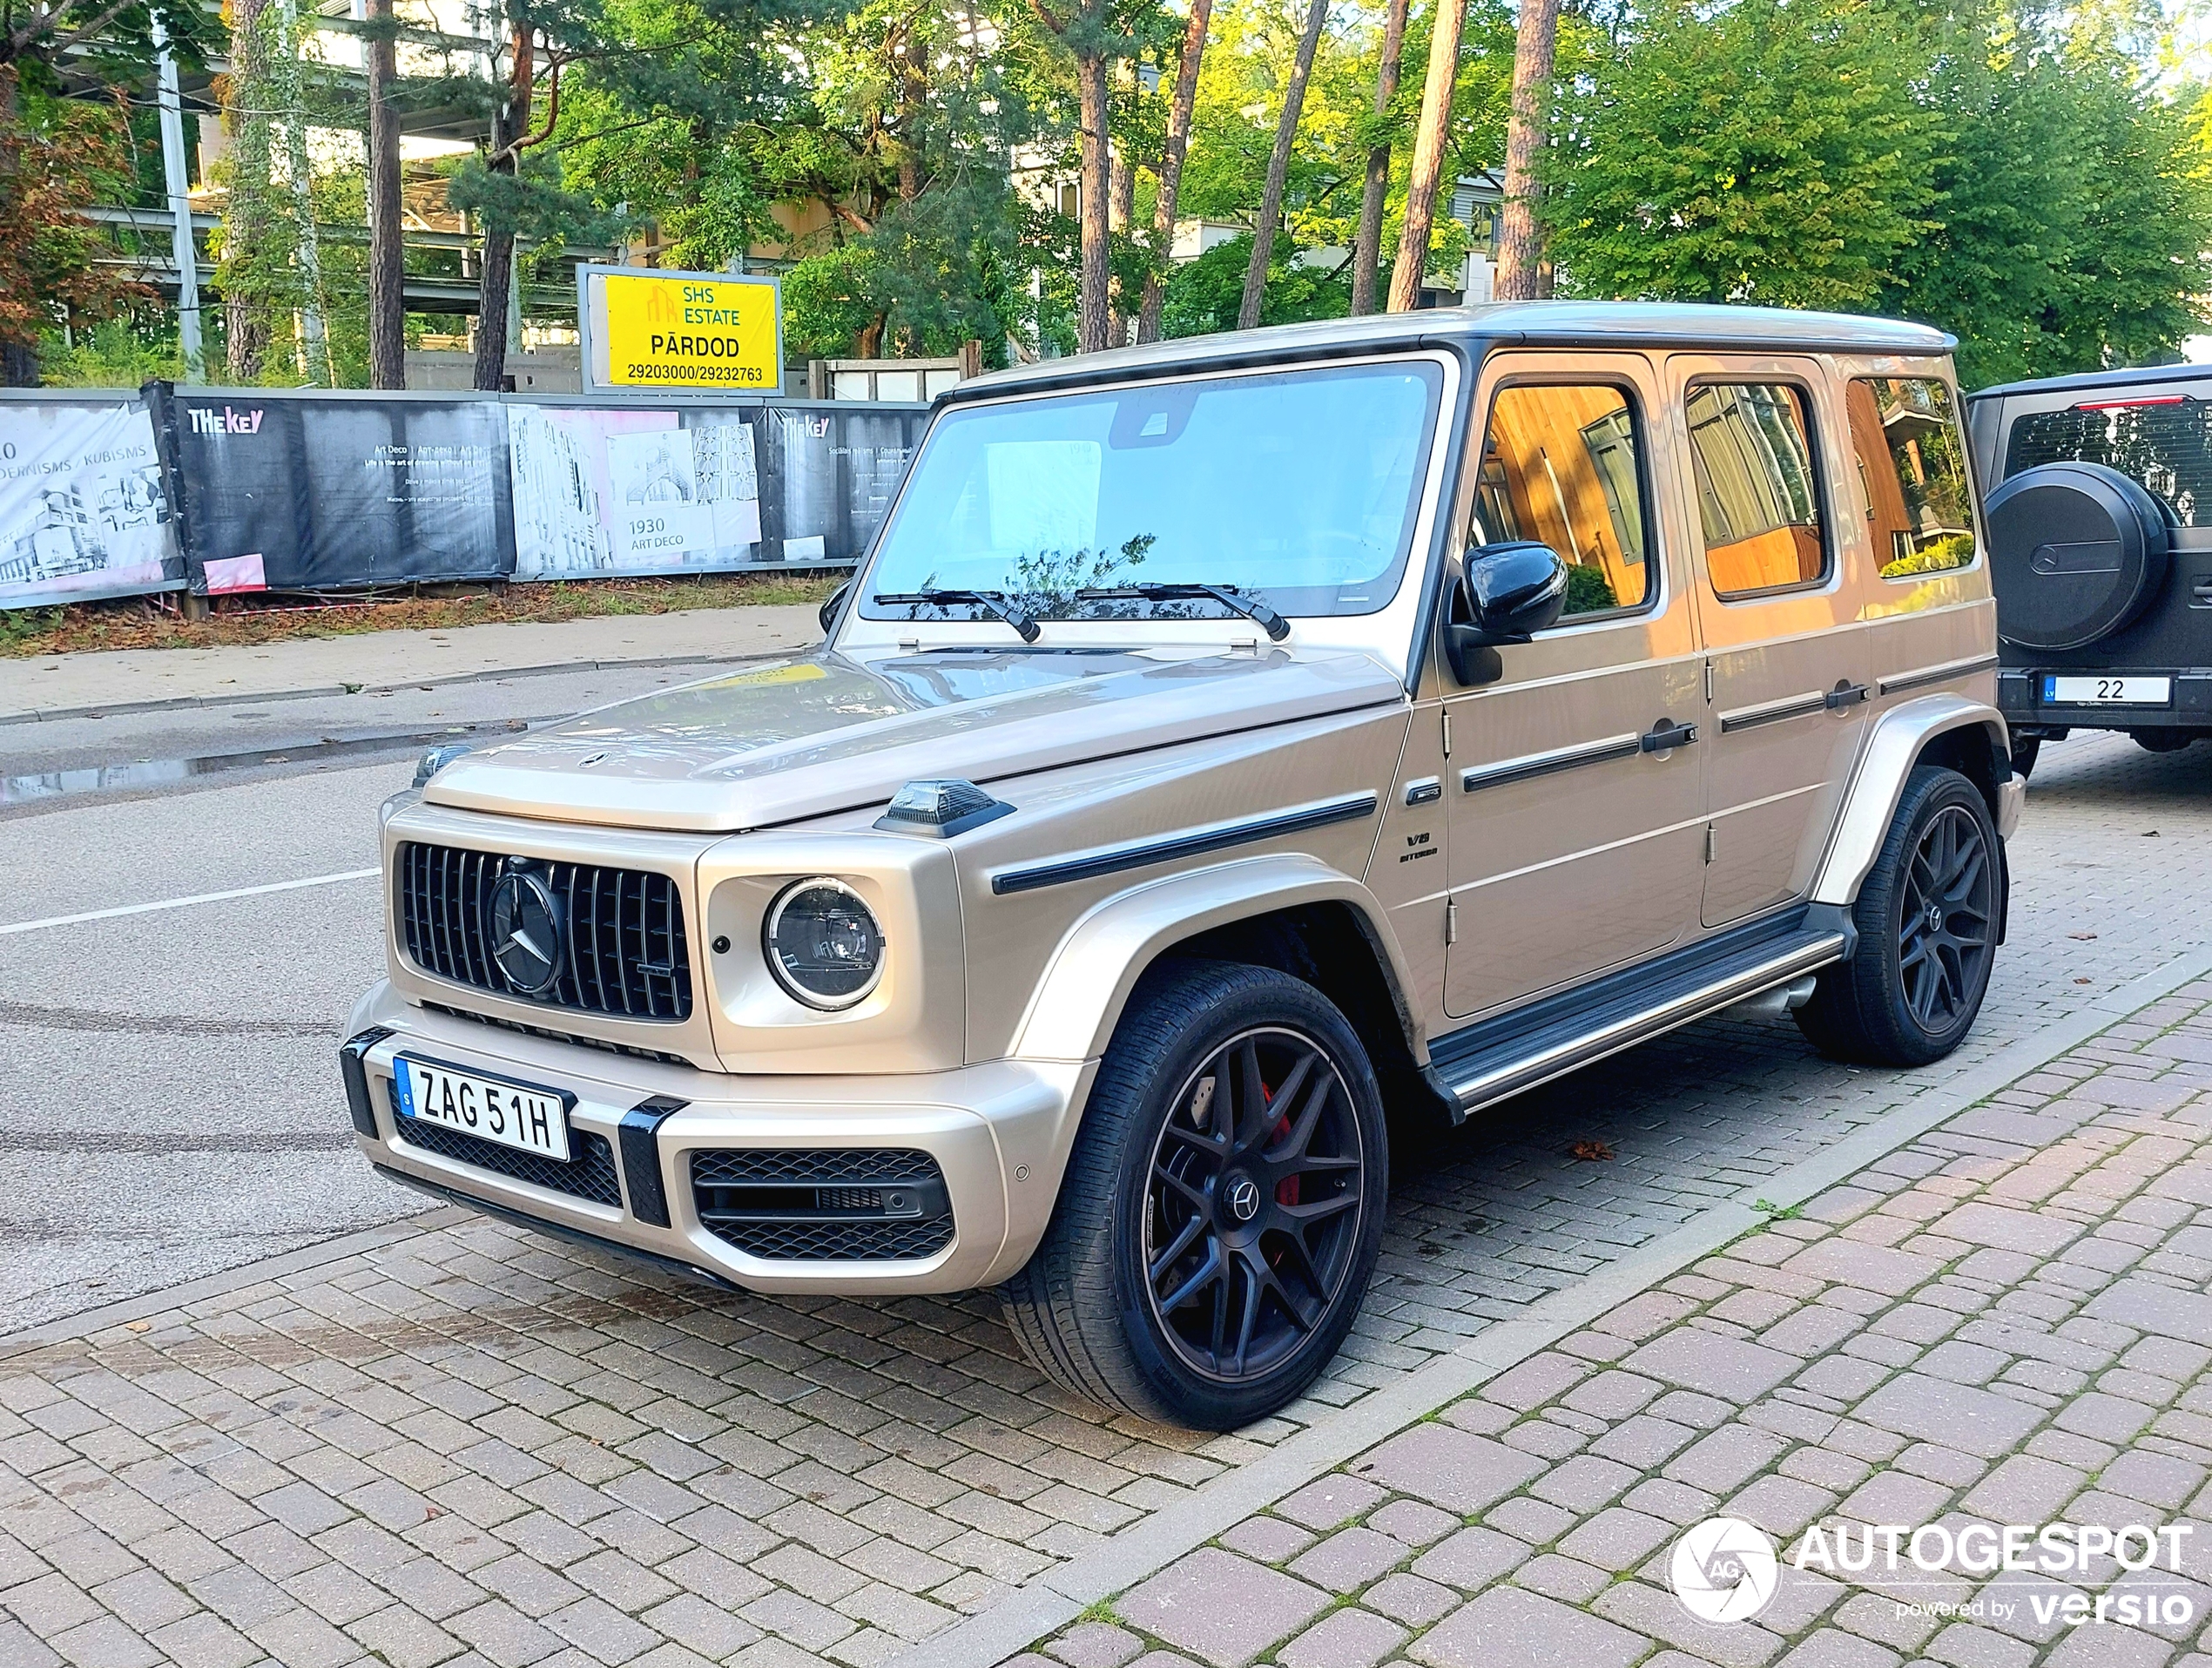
(992,602)
(1251,608)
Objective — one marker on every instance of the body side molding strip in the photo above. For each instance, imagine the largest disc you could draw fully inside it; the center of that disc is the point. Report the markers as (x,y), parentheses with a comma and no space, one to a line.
(1111,860)
(1747,718)
(1942,674)
(1477,777)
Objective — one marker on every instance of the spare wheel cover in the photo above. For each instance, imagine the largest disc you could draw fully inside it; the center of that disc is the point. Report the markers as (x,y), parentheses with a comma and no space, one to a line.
(2075,552)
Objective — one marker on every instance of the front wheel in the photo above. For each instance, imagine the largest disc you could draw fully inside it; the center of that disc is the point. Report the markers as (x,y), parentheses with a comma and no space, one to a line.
(1223,1205)
(1927,917)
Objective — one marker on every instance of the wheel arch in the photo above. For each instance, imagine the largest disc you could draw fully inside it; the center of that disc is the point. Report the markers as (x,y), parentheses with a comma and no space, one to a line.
(1967,736)
(1289,912)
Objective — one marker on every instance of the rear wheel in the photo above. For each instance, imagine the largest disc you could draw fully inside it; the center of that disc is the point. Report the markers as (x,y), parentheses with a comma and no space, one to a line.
(1223,1206)
(1928,933)
(2162,741)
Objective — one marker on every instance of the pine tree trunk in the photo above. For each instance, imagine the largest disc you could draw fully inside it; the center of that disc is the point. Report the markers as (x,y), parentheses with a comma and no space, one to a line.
(387,258)
(1172,156)
(1278,168)
(1092,325)
(246,220)
(1366,243)
(494,282)
(1121,209)
(913,107)
(1523,274)
(1428,156)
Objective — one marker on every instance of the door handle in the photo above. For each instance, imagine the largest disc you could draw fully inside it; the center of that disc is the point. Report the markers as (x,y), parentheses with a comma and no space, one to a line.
(1846,693)
(1666,734)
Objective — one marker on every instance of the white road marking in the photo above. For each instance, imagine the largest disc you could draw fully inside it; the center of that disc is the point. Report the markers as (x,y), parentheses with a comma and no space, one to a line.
(181,903)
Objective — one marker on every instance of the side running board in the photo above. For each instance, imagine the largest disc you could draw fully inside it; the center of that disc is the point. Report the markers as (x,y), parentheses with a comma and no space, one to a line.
(1496,1058)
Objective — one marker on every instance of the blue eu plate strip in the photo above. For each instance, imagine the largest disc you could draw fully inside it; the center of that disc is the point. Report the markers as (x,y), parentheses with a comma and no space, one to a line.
(405,1088)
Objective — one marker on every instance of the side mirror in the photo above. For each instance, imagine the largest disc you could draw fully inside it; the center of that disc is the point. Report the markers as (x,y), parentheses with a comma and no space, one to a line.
(1507,594)
(833,605)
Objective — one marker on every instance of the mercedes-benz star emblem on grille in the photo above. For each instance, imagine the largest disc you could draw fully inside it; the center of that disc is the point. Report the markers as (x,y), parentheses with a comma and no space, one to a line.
(526,931)
(1243,1198)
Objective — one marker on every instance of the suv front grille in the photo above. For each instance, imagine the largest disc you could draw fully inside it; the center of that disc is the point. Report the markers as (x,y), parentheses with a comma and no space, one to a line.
(834,1204)
(626,956)
(590,1173)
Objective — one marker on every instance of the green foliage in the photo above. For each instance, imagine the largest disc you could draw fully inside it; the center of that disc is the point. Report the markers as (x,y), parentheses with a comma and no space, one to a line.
(124,352)
(1204,294)
(1588,591)
(1769,152)
(1938,556)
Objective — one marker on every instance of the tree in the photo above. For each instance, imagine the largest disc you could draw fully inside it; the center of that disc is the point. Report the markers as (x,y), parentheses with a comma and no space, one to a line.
(254,270)
(1522,275)
(1366,247)
(387,254)
(1172,152)
(1278,164)
(1088,34)
(1769,152)
(64,69)
(1428,156)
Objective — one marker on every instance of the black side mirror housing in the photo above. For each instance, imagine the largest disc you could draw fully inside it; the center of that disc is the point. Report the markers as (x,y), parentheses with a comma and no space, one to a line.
(833,605)
(1506,593)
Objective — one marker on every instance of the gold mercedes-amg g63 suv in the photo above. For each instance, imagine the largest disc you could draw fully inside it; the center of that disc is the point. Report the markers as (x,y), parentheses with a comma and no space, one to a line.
(1226,742)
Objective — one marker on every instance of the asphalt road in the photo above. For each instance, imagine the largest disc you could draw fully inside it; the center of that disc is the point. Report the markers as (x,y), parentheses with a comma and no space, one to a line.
(169,1102)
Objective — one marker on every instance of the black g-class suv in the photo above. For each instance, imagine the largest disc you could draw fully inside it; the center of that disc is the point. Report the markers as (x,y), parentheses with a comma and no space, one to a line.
(2101,541)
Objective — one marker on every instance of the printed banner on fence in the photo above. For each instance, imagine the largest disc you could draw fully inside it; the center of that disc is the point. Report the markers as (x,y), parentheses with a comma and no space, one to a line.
(326,494)
(82,512)
(610,490)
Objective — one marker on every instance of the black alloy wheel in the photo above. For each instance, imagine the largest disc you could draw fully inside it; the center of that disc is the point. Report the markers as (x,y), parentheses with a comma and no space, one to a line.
(1252,1207)
(1929,914)
(1211,1241)
(1947,920)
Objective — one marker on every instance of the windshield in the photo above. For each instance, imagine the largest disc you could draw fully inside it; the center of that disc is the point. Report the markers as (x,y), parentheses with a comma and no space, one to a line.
(1298,486)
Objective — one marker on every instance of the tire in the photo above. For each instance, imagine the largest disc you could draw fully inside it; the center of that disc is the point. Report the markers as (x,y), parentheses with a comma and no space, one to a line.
(1927,915)
(1154,1179)
(2024,749)
(2162,741)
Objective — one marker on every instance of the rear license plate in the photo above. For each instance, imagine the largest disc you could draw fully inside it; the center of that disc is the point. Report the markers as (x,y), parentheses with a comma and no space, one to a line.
(2107,692)
(492,1109)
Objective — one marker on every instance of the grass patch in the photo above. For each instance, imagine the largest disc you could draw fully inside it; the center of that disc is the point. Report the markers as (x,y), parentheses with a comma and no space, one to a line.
(154,623)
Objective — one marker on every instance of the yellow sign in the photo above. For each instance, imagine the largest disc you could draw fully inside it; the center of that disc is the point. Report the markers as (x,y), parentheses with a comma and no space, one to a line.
(682,330)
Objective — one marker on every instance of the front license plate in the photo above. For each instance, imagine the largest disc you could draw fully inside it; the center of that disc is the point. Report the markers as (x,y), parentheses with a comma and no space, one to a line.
(2107,692)
(492,1109)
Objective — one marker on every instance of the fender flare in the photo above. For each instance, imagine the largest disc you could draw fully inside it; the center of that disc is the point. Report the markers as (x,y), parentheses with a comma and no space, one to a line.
(1079,1000)
(1879,783)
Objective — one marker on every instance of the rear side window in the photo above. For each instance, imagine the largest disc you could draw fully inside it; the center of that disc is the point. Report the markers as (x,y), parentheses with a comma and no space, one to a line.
(1562,465)
(1750,445)
(1913,467)
(2163,441)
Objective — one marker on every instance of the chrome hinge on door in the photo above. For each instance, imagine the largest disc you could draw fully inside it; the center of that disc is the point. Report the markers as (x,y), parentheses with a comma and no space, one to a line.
(1712,842)
(1709,683)
(1447,735)
(1451,922)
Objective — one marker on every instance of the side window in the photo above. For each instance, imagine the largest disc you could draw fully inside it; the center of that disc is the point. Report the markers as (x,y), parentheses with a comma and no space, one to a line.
(1752,447)
(1913,464)
(1562,465)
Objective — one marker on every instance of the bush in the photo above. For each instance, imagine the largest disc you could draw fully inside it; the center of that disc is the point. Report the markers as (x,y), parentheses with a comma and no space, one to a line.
(1952,551)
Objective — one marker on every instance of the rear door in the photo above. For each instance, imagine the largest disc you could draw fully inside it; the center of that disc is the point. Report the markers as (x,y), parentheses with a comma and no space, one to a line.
(1573,845)
(1779,616)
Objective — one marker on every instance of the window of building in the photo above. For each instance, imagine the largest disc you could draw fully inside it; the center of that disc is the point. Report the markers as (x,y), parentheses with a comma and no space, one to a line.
(1757,496)
(2163,441)
(1912,466)
(1562,465)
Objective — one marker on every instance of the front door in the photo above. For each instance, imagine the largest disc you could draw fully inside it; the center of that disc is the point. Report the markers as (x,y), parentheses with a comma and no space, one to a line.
(1571,783)
(1780,618)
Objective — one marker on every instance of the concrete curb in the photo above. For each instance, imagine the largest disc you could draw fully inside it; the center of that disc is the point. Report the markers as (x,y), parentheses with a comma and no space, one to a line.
(87,1321)
(53,714)
(1059,1596)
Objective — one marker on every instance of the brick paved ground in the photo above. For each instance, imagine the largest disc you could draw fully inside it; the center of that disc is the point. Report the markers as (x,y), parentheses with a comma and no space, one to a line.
(475,1445)
(2004,1322)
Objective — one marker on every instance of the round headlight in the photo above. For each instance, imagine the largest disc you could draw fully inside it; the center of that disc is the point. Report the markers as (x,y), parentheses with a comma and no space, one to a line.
(823,943)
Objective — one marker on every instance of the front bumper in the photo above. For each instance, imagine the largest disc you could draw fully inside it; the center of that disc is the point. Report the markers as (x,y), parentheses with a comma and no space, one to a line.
(2019,698)
(998,1132)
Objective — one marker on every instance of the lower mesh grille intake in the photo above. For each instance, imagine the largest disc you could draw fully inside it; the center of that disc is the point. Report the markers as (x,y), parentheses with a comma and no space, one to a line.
(590,1174)
(831,1205)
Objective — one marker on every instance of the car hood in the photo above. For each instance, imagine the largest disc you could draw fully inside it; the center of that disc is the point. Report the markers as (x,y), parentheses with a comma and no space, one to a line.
(811,736)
